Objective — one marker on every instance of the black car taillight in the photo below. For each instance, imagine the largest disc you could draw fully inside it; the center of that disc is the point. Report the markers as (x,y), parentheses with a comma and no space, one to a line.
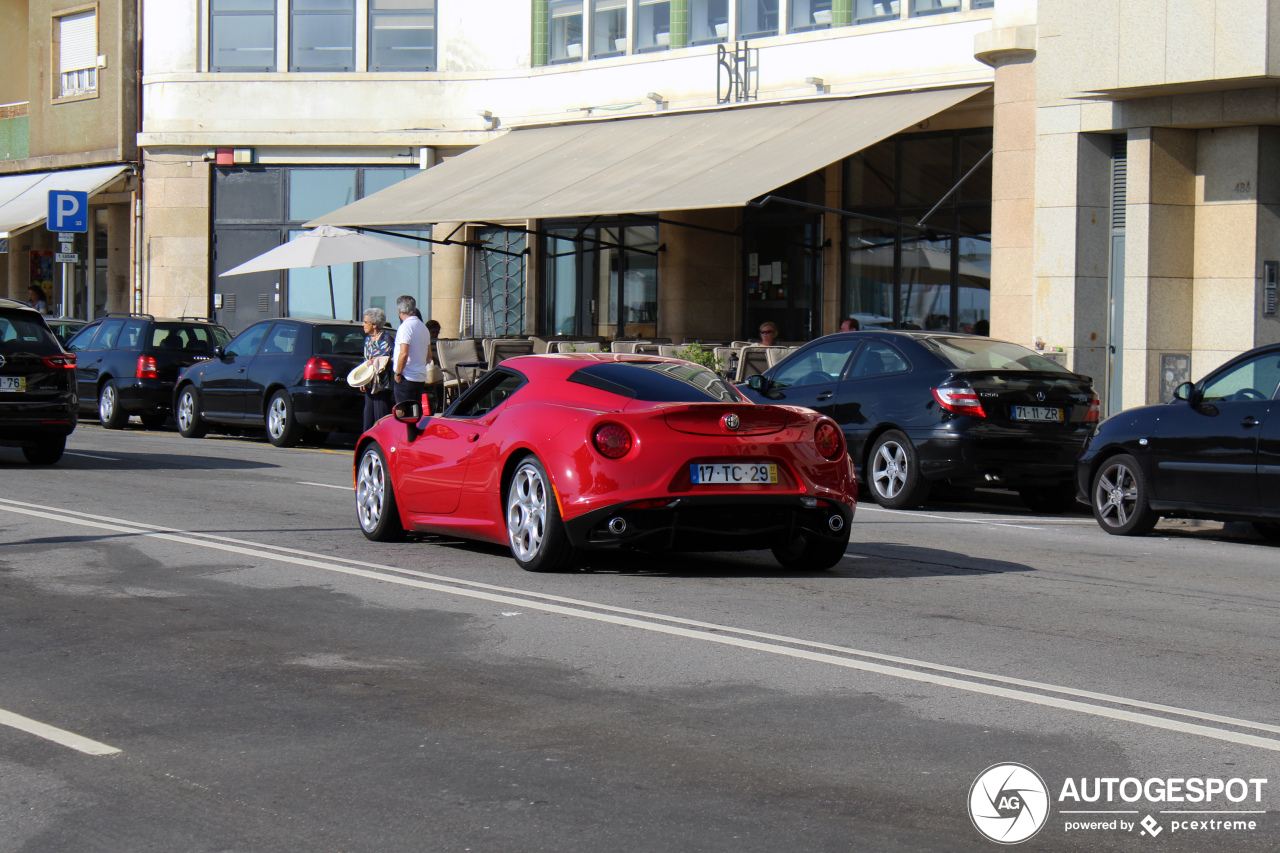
(61,361)
(1095,410)
(147,367)
(959,399)
(318,369)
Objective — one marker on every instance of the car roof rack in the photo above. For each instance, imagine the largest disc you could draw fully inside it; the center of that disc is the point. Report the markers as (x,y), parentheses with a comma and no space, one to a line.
(200,319)
(129,314)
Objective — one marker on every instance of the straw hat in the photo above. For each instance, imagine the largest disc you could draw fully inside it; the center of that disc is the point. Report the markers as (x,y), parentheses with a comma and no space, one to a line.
(365,371)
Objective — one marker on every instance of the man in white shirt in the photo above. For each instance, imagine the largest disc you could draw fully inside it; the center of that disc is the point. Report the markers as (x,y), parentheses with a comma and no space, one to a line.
(413,343)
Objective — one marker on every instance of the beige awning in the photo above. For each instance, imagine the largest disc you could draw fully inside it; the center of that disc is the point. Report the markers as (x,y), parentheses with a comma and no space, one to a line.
(24,199)
(677,161)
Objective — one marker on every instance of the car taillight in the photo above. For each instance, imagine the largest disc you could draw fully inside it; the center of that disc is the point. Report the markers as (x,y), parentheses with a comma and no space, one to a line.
(960,399)
(612,440)
(1095,410)
(827,438)
(147,367)
(61,361)
(318,369)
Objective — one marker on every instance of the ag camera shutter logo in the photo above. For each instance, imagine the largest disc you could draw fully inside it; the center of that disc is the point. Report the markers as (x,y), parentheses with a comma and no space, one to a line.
(1008,803)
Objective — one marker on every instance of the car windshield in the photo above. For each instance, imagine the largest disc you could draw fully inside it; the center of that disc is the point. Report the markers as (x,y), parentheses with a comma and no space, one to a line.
(986,354)
(339,340)
(658,381)
(19,334)
(188,337)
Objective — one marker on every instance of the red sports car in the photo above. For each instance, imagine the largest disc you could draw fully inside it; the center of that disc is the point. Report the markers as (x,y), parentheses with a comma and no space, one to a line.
(559,454)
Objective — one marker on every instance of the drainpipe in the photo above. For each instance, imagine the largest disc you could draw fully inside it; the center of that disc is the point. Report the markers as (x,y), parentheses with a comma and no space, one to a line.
(137,193)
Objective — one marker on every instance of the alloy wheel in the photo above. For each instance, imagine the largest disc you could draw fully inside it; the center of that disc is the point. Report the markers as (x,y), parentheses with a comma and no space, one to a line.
(889,469)
(371,490)
(1116,495)
(277,417)
(527,512)
(186,410)
(107,402)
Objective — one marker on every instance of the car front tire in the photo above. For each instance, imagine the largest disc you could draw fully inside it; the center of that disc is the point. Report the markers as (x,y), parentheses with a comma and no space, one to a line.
(893,472)
(110,413)
(282,429)
(376,498)
(535,531)
(187,414)
(1120,498)
(47,452)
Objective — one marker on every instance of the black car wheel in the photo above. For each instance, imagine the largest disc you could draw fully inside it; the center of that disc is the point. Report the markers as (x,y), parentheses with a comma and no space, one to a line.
(808,552)
(1268,530)
(534,529)
(376,498)
(1059,498)
(154,420)
(190,424)
(1120,498)
(282,429)
(893,472)
(110,413)
(46,452)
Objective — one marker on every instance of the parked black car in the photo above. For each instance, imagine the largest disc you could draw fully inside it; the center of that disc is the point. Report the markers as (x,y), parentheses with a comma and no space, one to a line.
(287,375)
(65,328)
(126,364)
(918,408)
(37,385)
(1213,452)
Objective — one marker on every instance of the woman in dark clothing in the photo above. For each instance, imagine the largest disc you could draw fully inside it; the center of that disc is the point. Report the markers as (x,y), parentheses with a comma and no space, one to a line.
(378,394)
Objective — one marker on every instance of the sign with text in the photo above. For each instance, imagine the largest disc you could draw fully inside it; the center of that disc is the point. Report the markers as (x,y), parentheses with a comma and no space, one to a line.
(68,211)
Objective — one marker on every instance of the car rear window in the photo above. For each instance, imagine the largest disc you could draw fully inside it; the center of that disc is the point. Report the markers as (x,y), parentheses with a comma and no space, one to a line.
(986,354)
(19,334)
(658,381)
(339,340)
(188,337)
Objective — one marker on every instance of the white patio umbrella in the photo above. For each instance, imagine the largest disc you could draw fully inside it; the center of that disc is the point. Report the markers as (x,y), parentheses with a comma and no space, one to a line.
(324,247)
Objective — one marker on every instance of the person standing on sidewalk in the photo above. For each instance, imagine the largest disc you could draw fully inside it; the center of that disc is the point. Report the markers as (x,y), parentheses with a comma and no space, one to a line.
(413,342)
(378,397)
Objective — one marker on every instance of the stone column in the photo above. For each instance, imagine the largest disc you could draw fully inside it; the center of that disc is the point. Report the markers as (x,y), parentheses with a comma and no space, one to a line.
(448,280)
(175,222)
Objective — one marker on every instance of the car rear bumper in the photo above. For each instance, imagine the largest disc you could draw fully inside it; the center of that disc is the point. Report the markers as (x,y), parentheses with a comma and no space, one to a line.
(144,396)
(328,407)
(1011,460)
(709,523)
(35,422)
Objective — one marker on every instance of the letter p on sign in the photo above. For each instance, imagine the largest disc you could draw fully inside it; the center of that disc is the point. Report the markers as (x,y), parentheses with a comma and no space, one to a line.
(68,211)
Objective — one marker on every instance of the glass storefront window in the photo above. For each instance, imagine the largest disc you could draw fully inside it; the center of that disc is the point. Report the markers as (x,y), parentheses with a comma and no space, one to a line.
(323,35)
(402,35)
(709,21)
(869,283)
(309,290)
(383,282)
(242,35)
(608,28)
(315,192)
(653,25)
(869,11)
(757,18)
(602,281)
(809,14)
(933,7)
(562,283)
(566,30)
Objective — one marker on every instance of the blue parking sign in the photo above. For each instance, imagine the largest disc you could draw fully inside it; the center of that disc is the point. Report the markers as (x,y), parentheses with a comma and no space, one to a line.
(68,211)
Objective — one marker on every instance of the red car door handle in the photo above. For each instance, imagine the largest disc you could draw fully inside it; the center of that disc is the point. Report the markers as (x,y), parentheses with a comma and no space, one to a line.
(473,436)
(1249,422)
(826,395)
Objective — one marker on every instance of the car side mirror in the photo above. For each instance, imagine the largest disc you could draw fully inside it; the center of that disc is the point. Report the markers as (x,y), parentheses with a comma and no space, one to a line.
(219,352)
(1186,392)
(409,413)
(759,382)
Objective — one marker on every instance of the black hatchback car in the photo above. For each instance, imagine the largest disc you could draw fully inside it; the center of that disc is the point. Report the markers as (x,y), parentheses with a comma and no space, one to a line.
(1213,452)
(37,385)
(288,375)
(918,408)
(126,364)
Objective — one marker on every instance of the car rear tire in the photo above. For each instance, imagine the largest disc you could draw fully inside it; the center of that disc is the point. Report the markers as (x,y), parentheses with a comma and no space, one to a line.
(1049,499)
(535,531)
(282,429)
(1268,530)
(110,413)
(893,472)
(376,498)
(47,452)
(810,553)
(187,414)
(153,421)
(1120,498)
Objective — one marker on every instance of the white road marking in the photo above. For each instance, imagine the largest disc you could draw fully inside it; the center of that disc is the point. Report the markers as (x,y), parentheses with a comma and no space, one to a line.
(326,486)
(91,456)
(713,633)
(946,517)
(57,735)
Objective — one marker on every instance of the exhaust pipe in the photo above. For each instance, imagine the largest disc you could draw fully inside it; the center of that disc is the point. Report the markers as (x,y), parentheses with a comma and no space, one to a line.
(617,525)
(836,523)
(993,477)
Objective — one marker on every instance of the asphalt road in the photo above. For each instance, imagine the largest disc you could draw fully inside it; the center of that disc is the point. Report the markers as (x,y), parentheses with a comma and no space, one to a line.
(228,665)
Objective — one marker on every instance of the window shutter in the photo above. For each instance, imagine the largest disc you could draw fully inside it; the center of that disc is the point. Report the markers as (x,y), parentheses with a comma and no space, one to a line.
(78,41)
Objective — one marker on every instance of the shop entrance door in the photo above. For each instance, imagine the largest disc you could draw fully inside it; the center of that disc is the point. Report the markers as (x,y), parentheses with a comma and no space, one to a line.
(240,300)
(783,270)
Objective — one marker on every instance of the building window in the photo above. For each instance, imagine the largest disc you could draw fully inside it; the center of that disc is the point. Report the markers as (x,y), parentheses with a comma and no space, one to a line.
(323,33)
(608,28)
(709,21)
(601,281)
(77,54)
(242,35)
(653,25)
(933,7)
(901,277)
(566,31)
(809,14)
(757,18)
(402,35)
(870,11)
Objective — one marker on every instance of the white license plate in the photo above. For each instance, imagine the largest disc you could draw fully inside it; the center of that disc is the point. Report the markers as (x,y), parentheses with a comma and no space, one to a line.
(1037,413)
(13,383)
(734,475)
